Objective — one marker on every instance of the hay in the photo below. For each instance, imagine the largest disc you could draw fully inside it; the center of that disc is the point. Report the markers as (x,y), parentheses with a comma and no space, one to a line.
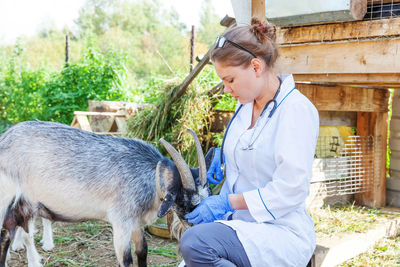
(169,120)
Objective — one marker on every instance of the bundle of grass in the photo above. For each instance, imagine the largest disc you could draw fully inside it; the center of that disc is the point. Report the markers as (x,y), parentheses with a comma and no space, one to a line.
(170,117)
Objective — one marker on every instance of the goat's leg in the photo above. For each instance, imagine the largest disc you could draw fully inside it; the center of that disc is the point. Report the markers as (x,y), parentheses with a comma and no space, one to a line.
(47,240)
(34,259)
(7,233)
(140,247)
(8,257)
(18,241)
(5,240)
(122,244)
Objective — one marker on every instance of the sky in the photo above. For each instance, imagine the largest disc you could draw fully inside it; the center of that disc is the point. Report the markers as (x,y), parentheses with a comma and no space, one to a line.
(27,17)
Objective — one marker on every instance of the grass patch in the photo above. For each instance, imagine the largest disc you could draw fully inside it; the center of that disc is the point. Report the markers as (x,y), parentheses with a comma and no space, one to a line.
(90,243)
(340,219)
(172,253)
(385,253)
(332,220)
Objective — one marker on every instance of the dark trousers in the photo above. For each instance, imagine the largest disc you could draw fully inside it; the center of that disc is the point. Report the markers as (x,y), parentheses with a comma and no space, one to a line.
(212,244)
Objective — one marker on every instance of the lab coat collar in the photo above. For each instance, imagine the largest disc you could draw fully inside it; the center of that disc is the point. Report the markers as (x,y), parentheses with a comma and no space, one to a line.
(286,86)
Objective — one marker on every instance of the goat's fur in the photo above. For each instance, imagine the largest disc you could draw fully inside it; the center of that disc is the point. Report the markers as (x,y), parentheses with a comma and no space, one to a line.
(64,174)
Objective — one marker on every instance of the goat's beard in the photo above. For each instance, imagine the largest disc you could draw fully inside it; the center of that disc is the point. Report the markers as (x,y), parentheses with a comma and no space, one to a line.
(176,226)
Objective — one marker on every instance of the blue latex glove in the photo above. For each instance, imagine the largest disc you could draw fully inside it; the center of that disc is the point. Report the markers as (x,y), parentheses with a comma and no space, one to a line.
(215,168)
(210,209)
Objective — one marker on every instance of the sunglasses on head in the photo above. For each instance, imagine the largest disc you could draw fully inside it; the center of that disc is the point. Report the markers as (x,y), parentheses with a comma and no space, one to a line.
(222,40)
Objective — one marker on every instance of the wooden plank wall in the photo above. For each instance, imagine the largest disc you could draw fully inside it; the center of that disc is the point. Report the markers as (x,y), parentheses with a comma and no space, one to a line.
(360,52)
(345,98)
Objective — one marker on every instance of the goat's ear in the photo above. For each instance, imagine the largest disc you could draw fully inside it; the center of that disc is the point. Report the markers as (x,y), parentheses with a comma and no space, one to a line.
(209,157)
(166,204)
(165,177)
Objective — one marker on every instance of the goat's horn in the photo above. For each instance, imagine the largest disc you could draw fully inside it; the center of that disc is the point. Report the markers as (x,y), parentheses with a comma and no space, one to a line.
(200,158)
(183,168)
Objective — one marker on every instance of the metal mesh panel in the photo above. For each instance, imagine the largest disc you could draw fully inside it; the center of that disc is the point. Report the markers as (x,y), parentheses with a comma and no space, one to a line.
(378,9)
(344,165)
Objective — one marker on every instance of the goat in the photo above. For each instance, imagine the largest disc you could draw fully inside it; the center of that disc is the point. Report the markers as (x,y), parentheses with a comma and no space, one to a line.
(65,174)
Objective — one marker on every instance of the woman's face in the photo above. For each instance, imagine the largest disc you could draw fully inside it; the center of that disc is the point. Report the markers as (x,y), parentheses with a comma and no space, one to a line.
(241,82)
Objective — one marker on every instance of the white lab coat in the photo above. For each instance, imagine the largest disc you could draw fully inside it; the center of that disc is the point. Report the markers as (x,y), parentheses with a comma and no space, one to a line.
(274,178)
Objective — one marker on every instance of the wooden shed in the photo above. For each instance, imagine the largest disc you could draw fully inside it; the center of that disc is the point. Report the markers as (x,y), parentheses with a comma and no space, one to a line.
(346,69)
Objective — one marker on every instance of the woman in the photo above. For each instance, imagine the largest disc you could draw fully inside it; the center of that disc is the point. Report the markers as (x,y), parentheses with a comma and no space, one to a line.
(259,218)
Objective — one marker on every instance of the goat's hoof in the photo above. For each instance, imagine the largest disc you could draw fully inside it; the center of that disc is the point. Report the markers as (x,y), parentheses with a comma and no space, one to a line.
(48,247)
(36,264)
(17,246)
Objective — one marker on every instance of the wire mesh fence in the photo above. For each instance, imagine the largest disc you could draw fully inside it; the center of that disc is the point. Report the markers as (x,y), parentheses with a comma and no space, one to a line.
(344,165)
(379,9)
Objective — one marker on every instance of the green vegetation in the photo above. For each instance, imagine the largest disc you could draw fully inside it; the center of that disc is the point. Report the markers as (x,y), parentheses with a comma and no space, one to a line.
(332,220)
(90,243)
(47,95)
(341,219)
(123,50)
(388,150)
(170,120)
(385,253)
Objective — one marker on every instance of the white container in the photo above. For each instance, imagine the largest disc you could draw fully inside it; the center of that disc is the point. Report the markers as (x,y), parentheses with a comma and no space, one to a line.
(242,11)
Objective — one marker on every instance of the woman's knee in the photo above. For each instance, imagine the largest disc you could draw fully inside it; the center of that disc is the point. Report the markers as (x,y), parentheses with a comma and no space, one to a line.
(189,240)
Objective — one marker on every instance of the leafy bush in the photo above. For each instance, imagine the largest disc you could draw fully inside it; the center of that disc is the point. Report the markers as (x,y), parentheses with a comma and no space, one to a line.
(226,102)
(45,95)
(95,77)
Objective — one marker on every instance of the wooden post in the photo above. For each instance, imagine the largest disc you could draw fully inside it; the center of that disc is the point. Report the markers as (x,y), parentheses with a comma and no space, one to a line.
(66,49)
(258,9)
(375,124)
(191,48)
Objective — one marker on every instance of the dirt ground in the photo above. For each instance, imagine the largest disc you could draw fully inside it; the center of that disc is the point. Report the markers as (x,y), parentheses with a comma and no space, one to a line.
(90,244)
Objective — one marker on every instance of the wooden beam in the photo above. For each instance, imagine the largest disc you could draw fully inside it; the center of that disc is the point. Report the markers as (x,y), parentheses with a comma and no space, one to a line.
(379,2)
(375,124)
(380,56)
(387,80)
(227,21)
(358,8)
(94,113)
(287,12)
(191,76)
(345,98)
(81,122)
(340,31)
(258,9)
(337,118)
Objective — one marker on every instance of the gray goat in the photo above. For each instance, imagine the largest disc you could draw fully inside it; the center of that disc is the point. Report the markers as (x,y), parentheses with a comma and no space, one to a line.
(64,174)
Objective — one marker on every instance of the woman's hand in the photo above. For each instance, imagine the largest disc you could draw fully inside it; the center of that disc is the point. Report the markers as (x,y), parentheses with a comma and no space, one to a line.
(210,209)
(215,168)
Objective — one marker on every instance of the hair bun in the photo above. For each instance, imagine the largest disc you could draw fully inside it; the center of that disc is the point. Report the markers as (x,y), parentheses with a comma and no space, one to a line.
(263,30)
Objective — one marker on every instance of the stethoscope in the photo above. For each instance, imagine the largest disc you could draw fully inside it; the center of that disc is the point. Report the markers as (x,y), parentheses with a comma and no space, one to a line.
(271,113)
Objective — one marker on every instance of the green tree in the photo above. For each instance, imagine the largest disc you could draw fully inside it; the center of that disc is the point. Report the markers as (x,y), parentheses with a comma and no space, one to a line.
(94,17)
(152,37)
(209,23)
